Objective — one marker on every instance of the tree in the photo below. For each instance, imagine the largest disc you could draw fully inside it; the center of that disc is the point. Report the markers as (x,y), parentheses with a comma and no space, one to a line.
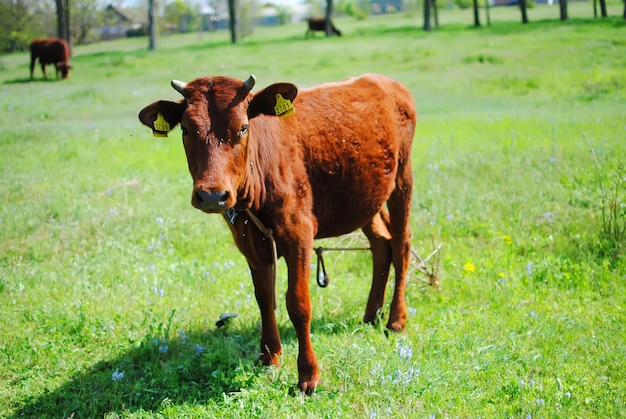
(180,14)
(20,21)
(63,20)
(476,15)
(329,13)
(522,6)
(86,15)
(487,15)
(427,26)
(603,8)
(233,23)
(563,9)
(430,13)
(151,25)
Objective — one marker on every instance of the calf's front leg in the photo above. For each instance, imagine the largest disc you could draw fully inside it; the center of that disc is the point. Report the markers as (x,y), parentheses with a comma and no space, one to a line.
(299,308)
(265,293)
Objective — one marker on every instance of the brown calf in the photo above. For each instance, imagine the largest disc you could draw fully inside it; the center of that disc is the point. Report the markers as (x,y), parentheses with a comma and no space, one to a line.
(50,51)
(340,163)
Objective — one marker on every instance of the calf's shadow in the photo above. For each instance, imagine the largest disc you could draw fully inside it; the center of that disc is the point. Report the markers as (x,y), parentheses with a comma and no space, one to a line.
(193,367)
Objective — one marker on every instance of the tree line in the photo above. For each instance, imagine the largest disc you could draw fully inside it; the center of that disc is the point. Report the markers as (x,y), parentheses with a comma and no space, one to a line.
(73,20)
(431,20)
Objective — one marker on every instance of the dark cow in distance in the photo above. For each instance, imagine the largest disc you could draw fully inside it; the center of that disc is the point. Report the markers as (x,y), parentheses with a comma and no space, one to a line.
(50,51)
(317,24)
(341,162)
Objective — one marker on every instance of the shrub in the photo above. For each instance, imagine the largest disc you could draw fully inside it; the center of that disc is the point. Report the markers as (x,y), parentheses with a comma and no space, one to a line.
(612,235)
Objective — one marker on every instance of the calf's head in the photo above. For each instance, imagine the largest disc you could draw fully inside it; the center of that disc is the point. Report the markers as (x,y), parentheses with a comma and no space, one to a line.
(214,115)
(64,67)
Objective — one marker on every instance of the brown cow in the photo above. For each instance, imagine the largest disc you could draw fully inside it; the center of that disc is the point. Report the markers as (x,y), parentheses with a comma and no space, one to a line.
(50,51)
(319,24)
(324,171)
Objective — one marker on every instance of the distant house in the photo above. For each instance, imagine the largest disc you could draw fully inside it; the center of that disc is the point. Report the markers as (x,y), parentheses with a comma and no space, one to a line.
(121,23)
(380,7)
(214,16)
(268,13)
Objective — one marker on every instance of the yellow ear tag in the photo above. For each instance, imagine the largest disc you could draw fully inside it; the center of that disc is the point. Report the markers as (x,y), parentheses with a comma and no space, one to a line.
(283,107)
(161,126)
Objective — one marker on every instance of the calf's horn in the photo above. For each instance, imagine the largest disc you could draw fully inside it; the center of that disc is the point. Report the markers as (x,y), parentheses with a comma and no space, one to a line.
(249,83)
(179,86)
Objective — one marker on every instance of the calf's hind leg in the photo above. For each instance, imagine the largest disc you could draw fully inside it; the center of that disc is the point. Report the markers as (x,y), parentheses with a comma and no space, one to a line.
(399,204)
(379,238)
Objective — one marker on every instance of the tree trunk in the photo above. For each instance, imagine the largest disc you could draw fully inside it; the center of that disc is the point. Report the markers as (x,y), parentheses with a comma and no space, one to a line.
(595,8)
(63,20)
(522,6)
(488,16)
(68,34)
(563,9)
(427,4)
(329,12)
(435,13)
(476,16)
(232,21)
(603,8)
(624,10)
(151,25)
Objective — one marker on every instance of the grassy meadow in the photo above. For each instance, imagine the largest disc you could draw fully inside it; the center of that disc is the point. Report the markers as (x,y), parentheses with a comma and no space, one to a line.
(111,283)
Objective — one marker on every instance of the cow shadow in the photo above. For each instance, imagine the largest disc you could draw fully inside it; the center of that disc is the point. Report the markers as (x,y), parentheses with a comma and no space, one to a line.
(194,367)
(23,80)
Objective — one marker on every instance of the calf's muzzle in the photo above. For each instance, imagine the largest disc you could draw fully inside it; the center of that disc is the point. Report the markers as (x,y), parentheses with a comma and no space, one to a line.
(211,201)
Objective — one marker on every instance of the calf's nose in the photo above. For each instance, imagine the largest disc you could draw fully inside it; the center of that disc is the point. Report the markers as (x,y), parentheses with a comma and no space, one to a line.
(212,201)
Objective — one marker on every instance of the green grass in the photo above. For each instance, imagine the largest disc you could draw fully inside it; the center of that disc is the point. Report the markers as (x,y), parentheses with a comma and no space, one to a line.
(104,263)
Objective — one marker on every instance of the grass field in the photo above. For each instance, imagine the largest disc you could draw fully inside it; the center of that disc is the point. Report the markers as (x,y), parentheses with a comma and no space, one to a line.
(111,283)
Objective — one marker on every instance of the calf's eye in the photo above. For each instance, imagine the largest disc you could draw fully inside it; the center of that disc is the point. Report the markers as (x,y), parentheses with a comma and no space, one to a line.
(243,131)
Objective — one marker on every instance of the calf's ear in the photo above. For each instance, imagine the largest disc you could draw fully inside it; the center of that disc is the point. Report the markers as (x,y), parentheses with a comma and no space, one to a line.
(276,99)
(162,116)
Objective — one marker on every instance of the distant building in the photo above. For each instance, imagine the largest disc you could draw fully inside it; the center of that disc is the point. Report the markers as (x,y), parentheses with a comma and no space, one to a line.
(121,23)
(379,7)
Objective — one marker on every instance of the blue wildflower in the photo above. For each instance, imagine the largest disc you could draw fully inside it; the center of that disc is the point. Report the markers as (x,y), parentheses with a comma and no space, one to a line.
(405,352)
(117,375)
(529,268)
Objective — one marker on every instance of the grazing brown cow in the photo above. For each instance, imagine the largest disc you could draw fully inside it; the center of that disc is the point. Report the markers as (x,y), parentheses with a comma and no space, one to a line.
(319,25)
(50,51)
(324,171)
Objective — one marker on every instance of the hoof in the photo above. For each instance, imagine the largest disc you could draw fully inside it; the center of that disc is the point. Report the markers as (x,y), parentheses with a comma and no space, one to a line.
(267,359)
(308,387)
(397,326)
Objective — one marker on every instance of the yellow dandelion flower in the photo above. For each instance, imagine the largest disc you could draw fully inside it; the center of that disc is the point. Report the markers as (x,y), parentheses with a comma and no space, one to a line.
(469,267)
(507,239)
